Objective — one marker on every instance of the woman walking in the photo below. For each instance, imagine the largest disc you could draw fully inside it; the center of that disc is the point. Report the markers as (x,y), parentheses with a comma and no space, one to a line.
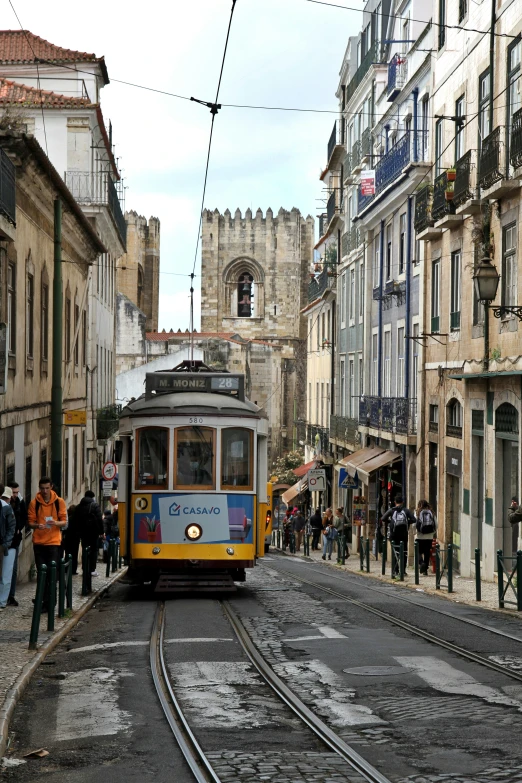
(426,531)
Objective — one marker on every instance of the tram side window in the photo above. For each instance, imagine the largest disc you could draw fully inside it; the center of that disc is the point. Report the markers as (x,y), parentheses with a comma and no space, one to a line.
(194,458)
(236,458)
(153,449)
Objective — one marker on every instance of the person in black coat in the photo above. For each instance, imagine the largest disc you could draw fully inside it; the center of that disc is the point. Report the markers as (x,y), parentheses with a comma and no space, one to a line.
(398,519)
(316,523)
(89,521)
(20,511)
(71,538)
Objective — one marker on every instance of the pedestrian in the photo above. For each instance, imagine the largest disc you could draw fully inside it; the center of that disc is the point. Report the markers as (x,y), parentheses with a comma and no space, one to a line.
(20,511)
(110,530)
(514,517)
(46,515)
(316,526)
(287,527)
(7,531)
(398,519)
(299,528)
(327,519)
(89,521)
(329,536)
(342,527)
(426,529)
(72,538)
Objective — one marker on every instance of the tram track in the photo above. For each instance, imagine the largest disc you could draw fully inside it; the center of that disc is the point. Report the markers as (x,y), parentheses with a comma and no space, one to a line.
(191,749)
(413,629)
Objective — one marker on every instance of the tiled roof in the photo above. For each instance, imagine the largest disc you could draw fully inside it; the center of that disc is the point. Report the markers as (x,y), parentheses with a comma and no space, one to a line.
(13,93)
(22,46)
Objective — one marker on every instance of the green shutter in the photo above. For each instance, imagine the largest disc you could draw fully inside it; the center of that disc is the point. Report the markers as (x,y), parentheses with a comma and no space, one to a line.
(465,501)
(489,510)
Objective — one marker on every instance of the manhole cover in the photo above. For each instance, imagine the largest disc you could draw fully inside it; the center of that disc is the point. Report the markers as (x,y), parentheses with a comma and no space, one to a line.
(375,671)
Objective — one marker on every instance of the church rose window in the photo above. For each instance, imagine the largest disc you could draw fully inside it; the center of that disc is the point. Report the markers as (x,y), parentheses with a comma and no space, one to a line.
(245,295)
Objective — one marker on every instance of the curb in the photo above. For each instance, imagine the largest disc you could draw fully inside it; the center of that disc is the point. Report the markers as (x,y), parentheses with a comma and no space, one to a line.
(14,694)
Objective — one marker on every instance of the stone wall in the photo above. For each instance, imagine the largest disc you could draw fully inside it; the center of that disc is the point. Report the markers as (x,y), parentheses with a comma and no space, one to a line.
(130,335)
(138,271)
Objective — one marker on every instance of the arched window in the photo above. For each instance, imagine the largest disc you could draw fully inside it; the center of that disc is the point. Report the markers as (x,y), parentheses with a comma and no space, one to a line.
(506,422)
(454,418)
(245,295)
(140,289)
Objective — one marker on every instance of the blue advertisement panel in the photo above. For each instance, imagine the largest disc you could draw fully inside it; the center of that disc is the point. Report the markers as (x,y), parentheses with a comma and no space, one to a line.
(163,518)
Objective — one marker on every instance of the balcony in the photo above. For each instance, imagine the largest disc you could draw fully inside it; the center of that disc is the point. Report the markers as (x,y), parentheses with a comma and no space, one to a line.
(336,149)
(333,207)
(391,414)
(453,431)
(7,189)
(355,237)
(423,219)
(372,55)
(312,433)
(442,206)
(107,421)
(366,145)
(356,156)
(515,144)
(343,429)
(97,189)
(489,171)
(322,225)
(397,75)
(320,284)
(391,165)
(434,427)
(347,169)
(345,244)
(464,190)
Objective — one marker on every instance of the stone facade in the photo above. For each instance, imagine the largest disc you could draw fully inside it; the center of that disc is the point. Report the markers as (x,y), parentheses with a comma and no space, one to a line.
(130,335)
(254,280)
(138,273)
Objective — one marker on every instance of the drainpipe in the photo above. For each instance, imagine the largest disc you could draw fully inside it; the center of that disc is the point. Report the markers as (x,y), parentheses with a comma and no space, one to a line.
(491,62)
(56,392)
(407,332)
(379,334)
(415,127)
(387,138)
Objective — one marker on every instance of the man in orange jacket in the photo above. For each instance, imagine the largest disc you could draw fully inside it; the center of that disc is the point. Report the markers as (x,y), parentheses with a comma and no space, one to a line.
(47,515)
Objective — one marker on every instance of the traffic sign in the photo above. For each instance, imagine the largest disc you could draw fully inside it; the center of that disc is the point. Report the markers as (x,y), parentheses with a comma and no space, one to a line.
(346,481)
(75,418)
(107,489)
(109,471)
(316,480)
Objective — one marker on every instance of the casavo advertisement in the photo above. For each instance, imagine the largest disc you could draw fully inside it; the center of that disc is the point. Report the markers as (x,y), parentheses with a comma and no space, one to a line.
(163,519)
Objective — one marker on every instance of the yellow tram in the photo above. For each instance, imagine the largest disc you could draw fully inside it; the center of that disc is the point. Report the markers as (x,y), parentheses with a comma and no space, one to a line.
(193,499)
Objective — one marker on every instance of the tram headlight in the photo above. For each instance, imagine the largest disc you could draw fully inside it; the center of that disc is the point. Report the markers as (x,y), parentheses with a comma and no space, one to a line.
(156,550)
(230,550)
(193,532)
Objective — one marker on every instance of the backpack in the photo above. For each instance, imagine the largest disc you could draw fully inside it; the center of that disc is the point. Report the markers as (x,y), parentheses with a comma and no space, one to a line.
(399,519)
(426,521)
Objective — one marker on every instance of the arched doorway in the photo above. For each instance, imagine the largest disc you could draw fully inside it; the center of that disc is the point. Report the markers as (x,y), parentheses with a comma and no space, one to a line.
(507,466)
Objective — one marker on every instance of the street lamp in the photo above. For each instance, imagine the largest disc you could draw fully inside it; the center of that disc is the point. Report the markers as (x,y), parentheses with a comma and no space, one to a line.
(486,284)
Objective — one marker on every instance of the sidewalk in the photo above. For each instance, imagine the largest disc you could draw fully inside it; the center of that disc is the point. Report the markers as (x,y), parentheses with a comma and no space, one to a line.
(17,663)
(463,587)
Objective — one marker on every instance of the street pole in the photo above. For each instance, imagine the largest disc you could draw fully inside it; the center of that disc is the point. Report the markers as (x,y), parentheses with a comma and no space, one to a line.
(56,392)
(485,363)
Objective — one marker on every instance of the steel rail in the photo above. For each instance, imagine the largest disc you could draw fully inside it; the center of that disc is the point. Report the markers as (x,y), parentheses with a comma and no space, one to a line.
(189,746)
(413,629)
(335,743)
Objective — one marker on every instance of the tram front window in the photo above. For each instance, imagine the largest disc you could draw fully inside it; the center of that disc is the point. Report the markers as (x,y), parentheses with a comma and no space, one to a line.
(194,458)
(153,457)
(236,458)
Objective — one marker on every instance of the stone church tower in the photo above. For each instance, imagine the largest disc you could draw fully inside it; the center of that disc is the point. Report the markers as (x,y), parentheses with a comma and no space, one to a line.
(254,282)
(138,270)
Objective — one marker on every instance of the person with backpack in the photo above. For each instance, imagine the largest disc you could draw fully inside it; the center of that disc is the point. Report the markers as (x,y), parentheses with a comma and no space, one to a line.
(47,515)
(330,535)
(88,521)
(426,529)
(398,519)
(316,526)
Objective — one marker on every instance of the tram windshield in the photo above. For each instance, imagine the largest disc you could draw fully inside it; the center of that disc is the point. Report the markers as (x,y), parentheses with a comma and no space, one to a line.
(236,458)
(194,458)
(153,457)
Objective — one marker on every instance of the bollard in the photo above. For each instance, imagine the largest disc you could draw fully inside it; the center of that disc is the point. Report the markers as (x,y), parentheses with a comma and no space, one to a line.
(384,553)
(416,561)
(478,586)
(361,553)
(52,597)
(343,549)
(278,538)
(37,611)
(69,583)
(393,559)
(401,562)
(114,555)
(86,572)
(449,565)
(292,543)
(519,581)
(120,558)
(61,588)
(500,579)
(109,558)
(367,555)
(437,567)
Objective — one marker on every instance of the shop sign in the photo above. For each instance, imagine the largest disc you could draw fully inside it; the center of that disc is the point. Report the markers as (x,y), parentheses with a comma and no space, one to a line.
(454,462)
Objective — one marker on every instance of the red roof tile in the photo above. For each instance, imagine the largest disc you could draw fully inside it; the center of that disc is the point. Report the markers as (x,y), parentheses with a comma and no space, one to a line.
(13,93)
(22,46)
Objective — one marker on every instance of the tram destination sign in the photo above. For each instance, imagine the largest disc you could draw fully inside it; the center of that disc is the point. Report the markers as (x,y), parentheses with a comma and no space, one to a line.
(214,383)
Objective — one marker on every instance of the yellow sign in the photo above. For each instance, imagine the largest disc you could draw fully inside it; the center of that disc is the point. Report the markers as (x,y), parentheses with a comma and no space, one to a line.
(143,503)
(75,418)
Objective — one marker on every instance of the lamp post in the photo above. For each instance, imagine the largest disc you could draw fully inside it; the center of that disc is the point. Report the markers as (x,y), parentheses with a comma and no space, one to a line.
(486,284)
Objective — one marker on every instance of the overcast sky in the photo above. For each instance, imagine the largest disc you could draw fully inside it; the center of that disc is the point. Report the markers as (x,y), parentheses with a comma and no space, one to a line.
(281,53)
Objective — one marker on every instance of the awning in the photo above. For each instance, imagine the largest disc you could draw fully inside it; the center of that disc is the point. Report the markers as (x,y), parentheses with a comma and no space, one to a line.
(302,470)
(371,465)
(294,491)
(471,376)
(352,461)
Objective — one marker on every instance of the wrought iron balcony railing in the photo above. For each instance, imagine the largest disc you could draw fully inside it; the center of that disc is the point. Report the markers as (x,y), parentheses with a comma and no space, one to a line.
(489,165)
(423,204)
(7,188)
(391,164)
(91,188)
(314,430)
(441,205)
(319,284)
(397,75)
(343,428)
(366,144)
(107,421)
(434,426)
(333,205)
(355,236)
(356,155)
(392,414)
(453,431)
(345,243)
(322,225)
(374,54)
(347,167)
(336,137)
(515,142)
(463,190)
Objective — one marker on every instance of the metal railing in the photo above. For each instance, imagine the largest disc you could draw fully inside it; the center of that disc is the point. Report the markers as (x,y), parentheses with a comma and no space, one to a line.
(345,243)
(515,142)
(332,205)
(356,155)
(343,428)
(372,55)
(462,191)
(423,203)
(347,166)
(319,284)
(312,430)
(397,75)
(489,162)
(336,137)
(107,421)
(7,188)
(97,188)
(392,164)
(392,414)
(441,206)
(355,237)
(433,426)
(513,573)
(453,431)
(366,143)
